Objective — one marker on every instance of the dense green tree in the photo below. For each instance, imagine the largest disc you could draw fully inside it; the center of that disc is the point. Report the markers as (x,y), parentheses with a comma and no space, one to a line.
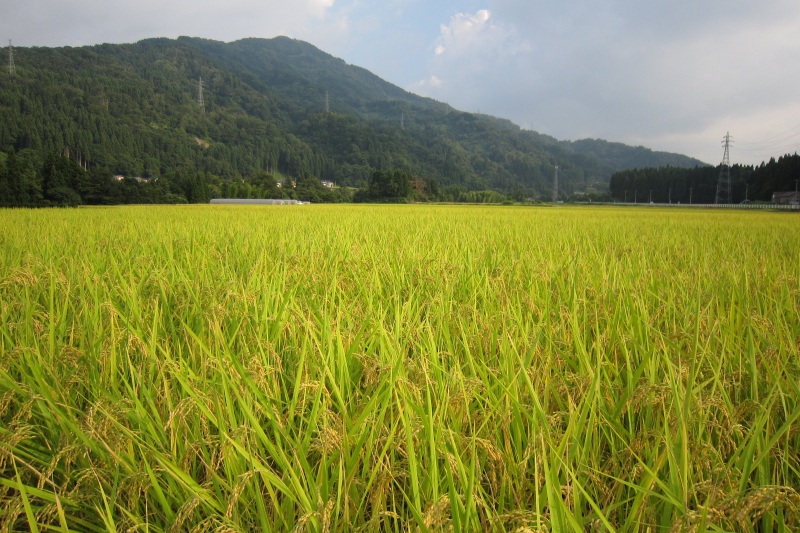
(699,184)
(99,188)
(388,186)
(265,184)
(20,185)
(310,189)
(62,178)
(6,197)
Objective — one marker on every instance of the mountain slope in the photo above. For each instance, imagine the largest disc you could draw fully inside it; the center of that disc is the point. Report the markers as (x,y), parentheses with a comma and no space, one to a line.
(275,105)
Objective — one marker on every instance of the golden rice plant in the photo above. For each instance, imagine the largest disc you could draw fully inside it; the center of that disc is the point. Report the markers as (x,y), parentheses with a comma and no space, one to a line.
(399,368)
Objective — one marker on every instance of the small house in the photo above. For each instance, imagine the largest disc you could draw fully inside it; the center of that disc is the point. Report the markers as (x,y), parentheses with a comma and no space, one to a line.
(786,198)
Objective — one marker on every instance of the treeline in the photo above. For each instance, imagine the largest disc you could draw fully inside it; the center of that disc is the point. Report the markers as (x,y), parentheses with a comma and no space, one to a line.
(399,186)
(59,181)
(699,185)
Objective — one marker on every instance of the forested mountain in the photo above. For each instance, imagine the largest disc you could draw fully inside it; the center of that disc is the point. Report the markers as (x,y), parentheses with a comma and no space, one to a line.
(279,107)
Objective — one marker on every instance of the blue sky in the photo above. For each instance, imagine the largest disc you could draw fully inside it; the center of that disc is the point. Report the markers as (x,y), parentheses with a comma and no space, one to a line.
(672,76)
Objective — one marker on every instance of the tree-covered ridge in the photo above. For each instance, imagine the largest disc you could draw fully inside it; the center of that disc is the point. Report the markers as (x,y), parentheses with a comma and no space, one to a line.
(699,185)
(277,106)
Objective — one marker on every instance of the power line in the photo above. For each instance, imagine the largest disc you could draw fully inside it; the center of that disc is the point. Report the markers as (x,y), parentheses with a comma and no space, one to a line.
(776,138)
(773,153)
(767,146)
(786,141)
(780,150)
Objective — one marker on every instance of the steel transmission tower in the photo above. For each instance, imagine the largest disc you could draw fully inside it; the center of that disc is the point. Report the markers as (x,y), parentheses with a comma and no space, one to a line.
(555,186)
(724,183)
(200,99)
(11,69)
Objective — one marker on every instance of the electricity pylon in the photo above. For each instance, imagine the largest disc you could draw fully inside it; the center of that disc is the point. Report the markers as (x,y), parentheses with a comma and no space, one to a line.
(11,69)
(724,183)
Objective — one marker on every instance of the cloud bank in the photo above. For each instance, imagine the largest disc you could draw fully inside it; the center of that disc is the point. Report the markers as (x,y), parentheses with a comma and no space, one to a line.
(674,76)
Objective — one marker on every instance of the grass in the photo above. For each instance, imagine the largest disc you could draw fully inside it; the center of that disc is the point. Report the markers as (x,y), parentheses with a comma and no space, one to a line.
(399,368)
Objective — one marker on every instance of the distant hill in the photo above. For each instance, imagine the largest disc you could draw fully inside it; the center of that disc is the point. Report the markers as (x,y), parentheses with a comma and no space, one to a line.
(276,105)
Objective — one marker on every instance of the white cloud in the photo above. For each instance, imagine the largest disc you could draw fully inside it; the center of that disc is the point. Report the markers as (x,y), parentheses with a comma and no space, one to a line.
(320,7)
(468,47)
(425,86)
(463,31)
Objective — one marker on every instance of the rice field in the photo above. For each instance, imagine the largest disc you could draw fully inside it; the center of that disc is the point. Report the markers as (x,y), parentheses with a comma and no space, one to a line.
(399,368)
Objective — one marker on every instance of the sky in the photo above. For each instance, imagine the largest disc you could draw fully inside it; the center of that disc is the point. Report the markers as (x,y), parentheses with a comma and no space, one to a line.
(672,76)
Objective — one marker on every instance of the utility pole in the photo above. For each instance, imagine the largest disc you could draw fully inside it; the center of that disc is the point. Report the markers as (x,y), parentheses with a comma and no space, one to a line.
(690,195)
(12,71)
(670,196)
(402,122)
(724,182)
(327,102)
(555,186)
(200,99)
